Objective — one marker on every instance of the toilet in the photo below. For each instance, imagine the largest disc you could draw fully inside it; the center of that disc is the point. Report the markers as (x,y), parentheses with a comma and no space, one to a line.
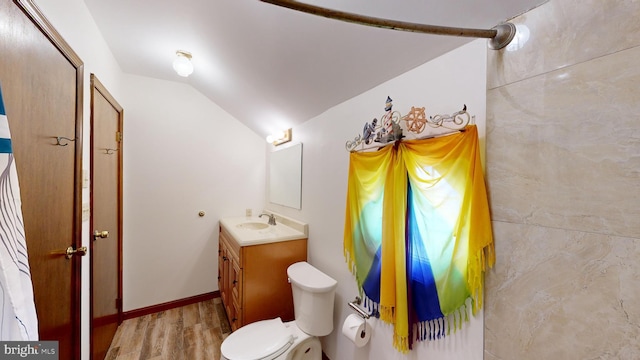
(313,296)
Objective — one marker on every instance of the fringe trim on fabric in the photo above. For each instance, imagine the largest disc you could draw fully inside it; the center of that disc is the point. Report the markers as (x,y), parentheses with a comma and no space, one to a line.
(351,261)
(437,328)
(401,343)
(430,330)
(387,314)
(441,327)
(372,307)
(476,268)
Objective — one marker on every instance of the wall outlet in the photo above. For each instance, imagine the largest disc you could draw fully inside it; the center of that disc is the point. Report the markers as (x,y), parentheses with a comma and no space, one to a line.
(247,213)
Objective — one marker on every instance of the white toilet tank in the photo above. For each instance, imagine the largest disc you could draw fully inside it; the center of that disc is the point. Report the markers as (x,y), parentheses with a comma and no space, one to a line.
(313,296)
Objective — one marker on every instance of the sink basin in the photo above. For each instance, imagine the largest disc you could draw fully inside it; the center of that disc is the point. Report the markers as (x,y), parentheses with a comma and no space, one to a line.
(249,231)
(253,225)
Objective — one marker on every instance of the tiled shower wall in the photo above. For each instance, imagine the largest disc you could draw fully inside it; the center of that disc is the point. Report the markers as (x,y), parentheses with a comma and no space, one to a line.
(563,173)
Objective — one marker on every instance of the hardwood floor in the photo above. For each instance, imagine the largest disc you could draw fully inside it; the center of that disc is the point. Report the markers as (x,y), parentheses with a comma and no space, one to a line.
(191,332)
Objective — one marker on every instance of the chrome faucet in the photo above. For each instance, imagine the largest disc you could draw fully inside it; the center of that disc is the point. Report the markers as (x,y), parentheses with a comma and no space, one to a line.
(272,218)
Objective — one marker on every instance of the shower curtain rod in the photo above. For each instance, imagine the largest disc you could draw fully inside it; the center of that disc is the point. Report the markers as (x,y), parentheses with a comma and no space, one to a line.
(499,36)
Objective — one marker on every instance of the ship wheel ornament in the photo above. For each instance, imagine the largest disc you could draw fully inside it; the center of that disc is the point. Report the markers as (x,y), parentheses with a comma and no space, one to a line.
(416,120)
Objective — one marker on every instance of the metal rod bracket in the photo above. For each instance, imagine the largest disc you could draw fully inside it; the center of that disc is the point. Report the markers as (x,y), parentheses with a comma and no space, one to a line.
(505,33)
(354,305)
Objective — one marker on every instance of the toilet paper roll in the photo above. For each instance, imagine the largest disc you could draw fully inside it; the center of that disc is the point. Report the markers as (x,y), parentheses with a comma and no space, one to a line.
(357,330)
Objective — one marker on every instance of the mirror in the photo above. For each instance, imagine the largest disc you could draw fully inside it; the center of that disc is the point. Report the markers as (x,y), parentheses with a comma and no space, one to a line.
(285,176)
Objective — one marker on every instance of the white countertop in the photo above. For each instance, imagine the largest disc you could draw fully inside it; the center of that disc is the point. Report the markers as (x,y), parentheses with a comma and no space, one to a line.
(272,233)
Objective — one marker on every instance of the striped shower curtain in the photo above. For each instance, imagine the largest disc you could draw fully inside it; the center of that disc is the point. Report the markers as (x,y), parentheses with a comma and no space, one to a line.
(18,321)
(418,234)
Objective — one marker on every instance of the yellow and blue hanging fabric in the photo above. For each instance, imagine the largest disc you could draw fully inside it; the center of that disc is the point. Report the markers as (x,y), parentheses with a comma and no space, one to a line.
(418,233)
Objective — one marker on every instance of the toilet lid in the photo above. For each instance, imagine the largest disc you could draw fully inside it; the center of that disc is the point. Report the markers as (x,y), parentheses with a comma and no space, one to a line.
(257,341)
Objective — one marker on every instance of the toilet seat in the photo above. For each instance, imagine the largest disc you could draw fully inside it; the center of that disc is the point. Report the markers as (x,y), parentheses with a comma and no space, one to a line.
(262,340)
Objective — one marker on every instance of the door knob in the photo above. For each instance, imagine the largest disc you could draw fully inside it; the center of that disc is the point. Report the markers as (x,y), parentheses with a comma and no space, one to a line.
(100,234)
(81,251)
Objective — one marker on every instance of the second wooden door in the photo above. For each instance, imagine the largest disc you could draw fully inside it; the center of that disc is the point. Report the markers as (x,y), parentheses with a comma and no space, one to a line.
(106,218)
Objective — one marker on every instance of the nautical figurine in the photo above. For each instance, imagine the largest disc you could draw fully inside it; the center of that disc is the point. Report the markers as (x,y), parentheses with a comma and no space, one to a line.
(369,131)
(389,104)
(394,134)
(390,131)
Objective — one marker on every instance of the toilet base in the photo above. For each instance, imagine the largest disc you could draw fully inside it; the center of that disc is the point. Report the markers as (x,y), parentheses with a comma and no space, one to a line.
(304,347)
(307,349)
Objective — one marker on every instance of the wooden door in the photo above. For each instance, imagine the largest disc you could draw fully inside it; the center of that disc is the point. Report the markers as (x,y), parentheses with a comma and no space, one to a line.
(106,218)
(42,86)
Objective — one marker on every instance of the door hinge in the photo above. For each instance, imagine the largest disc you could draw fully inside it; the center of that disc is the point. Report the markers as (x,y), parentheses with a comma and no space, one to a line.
(118,136)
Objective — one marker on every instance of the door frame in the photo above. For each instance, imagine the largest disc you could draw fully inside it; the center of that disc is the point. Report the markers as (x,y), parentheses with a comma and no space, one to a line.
(36,16)
(97,86)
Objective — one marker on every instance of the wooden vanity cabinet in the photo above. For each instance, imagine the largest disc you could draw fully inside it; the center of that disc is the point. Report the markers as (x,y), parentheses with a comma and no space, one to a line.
(253,279)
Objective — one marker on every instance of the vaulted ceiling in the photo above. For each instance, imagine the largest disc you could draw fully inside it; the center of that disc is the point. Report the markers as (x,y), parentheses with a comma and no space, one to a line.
(272,67)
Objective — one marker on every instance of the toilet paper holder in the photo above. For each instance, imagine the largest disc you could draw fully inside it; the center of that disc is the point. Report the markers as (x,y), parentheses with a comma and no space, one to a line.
(354,305)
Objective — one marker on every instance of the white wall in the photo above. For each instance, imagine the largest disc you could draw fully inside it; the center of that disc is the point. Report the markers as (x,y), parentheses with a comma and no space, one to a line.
(183,154)
(443,86)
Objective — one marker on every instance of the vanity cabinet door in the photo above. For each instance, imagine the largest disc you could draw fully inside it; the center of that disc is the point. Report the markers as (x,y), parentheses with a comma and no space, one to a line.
(236,293)
(221,256)
(225,281)
(230,278)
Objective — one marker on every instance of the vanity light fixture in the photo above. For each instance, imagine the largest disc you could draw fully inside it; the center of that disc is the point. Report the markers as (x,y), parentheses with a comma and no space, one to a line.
(182,64)
(279,138)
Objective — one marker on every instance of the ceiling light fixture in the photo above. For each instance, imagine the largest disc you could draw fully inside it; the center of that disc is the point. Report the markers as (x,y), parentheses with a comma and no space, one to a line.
(182,64)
